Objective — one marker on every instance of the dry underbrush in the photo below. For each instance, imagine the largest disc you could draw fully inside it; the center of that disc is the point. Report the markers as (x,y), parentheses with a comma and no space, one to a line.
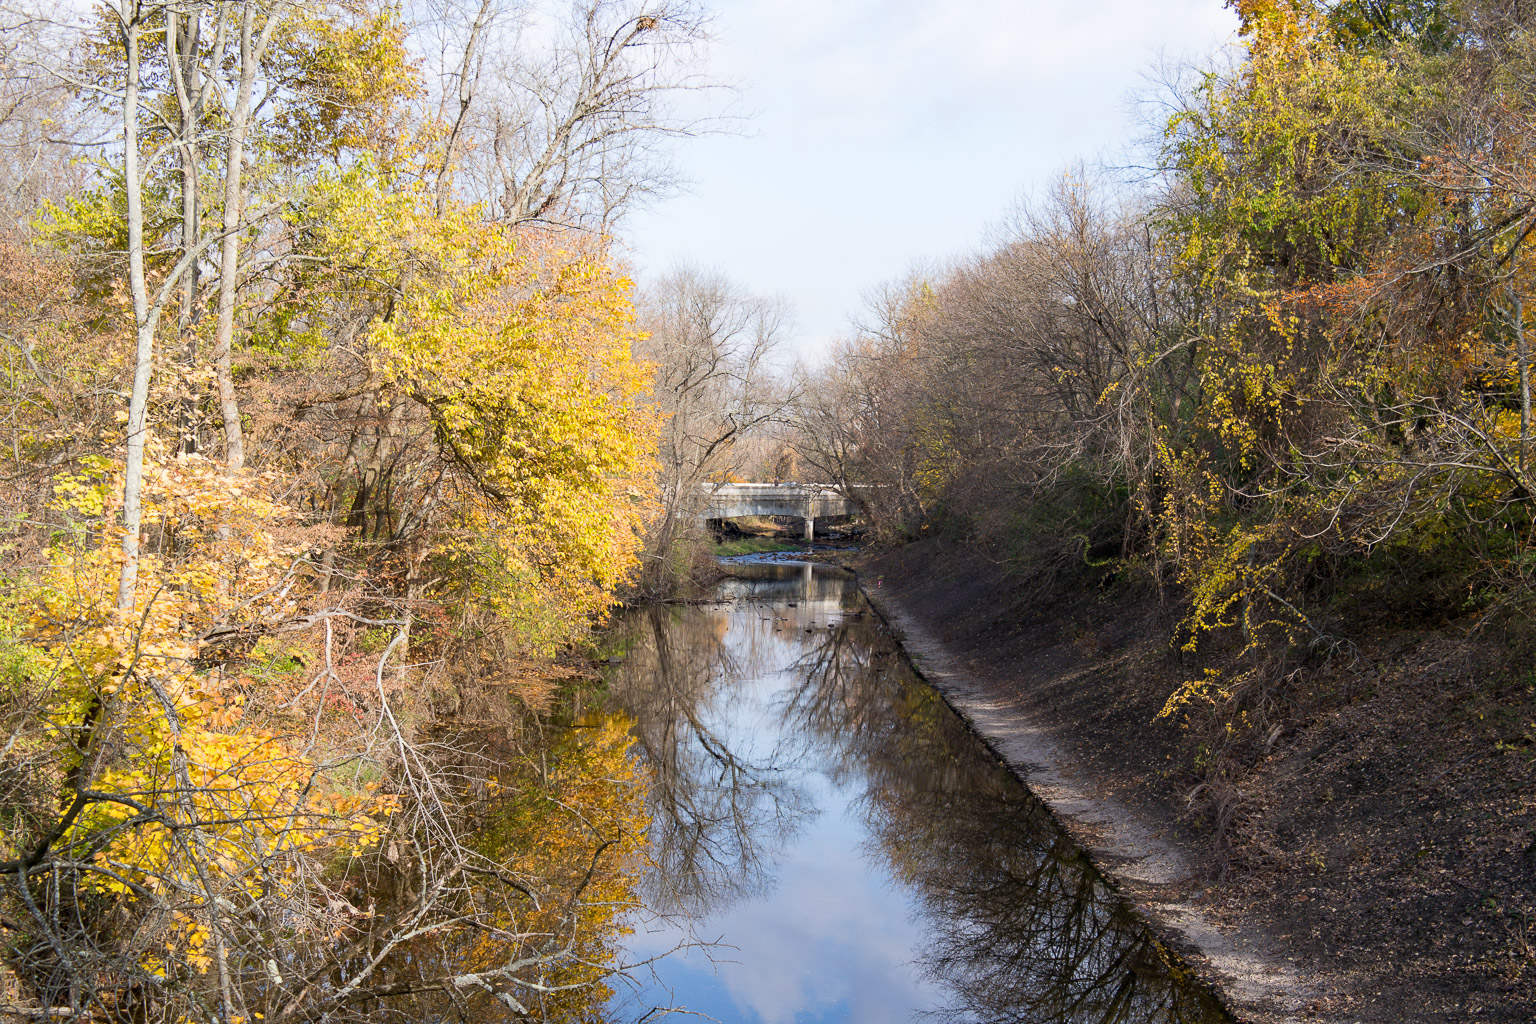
(1375,812)
(1392,829)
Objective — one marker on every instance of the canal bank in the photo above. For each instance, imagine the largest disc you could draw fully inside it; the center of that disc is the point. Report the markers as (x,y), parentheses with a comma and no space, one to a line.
(1147,855)
(1368,873)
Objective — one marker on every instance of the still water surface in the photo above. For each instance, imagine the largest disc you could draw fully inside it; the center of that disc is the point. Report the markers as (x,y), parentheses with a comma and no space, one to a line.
(840,847)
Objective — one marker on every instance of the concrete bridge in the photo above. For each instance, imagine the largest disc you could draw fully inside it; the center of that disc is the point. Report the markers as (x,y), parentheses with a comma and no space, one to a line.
(807,502)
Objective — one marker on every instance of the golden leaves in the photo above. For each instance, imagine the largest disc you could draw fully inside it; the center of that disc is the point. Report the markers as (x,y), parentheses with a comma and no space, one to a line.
(190,765)
(519,349)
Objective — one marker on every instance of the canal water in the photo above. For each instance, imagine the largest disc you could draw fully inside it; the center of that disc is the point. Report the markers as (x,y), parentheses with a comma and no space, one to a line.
(829,842)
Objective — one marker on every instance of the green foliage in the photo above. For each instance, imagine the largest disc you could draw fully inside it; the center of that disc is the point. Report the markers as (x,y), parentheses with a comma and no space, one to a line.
(753,546)
(1078,523)
(92,224)
(1428,25)
(373,641)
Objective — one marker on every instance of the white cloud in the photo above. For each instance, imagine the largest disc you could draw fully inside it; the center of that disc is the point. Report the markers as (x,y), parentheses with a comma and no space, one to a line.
(895,130)
(833,934)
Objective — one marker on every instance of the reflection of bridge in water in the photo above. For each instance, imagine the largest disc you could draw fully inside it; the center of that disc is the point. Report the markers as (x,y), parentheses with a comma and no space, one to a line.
(807,502)
(814,586)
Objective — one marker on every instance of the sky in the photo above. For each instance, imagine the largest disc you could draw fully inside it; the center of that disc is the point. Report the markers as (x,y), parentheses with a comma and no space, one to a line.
(886,133)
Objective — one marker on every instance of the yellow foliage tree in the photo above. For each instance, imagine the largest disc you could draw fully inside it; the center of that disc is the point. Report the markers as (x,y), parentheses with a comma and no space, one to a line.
(177,794)
(518,348)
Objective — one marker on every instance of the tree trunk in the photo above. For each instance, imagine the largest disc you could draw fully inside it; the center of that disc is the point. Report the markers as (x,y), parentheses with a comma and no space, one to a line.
(182,40)
(144,320)
(251,49)
(1523,364)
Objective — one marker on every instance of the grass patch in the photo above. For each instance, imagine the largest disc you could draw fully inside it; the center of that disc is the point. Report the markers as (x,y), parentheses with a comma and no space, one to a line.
(755,546)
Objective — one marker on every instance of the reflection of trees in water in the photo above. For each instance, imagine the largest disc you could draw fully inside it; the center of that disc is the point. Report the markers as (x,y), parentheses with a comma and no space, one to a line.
(794,581)
(1023,928)
(552,851)
(718,815)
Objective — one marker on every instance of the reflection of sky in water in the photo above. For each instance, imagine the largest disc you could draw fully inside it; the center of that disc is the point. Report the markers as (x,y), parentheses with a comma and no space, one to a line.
(831,937)
(793,770)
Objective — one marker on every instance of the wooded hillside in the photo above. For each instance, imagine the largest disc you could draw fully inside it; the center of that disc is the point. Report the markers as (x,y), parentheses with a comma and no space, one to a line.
(1292,374)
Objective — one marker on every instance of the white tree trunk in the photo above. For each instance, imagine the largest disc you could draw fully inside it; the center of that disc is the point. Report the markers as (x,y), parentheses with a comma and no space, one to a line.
(182,42)
(252,47)
(144,319)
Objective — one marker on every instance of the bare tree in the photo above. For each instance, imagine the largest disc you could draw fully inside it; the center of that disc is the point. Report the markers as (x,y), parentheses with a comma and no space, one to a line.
(1044,362)
(562,118)
(254,33)
(33,118)
(858,416)
(711,344)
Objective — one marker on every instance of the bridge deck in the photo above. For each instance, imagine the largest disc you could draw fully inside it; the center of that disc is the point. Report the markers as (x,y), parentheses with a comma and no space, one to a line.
(803,501)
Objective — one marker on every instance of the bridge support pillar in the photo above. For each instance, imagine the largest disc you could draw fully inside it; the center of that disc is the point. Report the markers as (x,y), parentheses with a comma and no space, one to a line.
(810,528)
